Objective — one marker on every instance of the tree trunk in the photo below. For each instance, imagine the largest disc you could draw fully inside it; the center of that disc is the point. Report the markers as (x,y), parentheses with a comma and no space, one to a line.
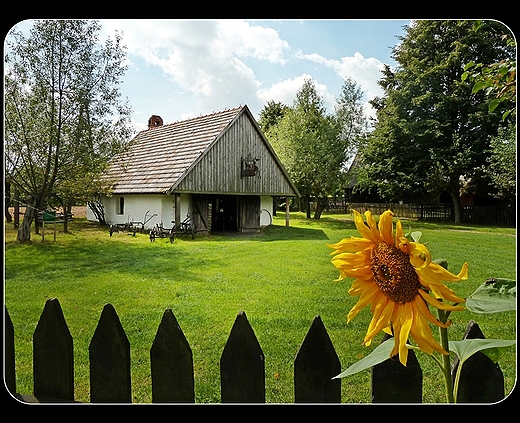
(8,217)
(98,209)
(457,207)
(321,204)
(24,231)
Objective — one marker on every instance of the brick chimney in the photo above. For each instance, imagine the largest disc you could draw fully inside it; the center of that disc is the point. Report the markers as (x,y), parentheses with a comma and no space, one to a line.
(154,121)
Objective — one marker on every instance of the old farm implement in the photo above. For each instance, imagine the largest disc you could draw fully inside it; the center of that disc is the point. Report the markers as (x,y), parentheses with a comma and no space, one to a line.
(132,226)
(186,228)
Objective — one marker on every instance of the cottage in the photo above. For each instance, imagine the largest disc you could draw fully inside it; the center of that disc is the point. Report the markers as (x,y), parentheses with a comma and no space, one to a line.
(217,170)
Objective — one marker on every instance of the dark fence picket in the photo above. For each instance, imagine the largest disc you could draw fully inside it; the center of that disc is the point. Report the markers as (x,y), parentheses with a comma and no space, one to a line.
(242,365)
(109,354)
(481,380)
(171,363)
(9,363)
(53,355)
(315,365)
(394,383)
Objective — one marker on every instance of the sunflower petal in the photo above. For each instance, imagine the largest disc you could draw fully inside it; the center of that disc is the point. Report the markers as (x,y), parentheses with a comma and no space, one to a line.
(423,309)
(442,306)
(364,230)
(372,224)
(365,298)
(386,227)
(438,272)
(381,318)
(351,245)
(399,233)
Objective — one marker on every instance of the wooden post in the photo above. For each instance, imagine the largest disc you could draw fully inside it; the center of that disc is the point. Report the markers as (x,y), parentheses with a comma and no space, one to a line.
(481,380)
(53,357)
(287,211)
(43,228)
(54,229)
(394,383)
(242,367)
(10,372)
(315,365)
(171,363)
(177,199)
(109,354)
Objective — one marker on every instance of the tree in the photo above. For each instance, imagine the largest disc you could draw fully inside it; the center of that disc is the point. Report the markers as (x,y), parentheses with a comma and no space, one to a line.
(271,115)
(502,163)
(432,132)
(498,80)
(350,116)
(63,112)
(315,146)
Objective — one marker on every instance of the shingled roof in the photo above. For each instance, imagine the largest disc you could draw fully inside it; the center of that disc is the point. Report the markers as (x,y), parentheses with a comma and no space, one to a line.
(160,156)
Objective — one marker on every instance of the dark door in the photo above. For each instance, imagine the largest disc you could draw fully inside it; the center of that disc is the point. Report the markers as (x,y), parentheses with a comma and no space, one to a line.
(200,213)
(250,213)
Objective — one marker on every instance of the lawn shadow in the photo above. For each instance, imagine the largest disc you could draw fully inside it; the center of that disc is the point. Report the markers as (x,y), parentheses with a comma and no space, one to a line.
(287,233)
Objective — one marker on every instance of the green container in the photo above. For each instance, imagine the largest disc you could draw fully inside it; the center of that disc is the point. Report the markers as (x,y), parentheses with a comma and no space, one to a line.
(49,216)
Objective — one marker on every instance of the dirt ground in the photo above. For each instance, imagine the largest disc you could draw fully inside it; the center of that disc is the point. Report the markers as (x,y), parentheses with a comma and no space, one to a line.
(77,211)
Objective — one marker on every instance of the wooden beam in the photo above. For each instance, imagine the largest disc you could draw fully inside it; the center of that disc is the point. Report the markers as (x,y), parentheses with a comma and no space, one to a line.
(287,211)
(177,200)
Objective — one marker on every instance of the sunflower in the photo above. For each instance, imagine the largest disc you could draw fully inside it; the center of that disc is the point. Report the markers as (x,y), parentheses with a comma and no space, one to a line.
(398,279)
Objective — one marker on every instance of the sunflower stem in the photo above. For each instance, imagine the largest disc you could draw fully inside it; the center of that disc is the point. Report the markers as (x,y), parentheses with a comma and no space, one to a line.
(443,317)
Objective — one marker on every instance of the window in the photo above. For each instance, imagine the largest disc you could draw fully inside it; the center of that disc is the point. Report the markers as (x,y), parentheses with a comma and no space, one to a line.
(120,206)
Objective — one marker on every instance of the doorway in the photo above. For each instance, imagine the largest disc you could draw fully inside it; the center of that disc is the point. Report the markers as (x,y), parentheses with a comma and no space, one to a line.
(224,213)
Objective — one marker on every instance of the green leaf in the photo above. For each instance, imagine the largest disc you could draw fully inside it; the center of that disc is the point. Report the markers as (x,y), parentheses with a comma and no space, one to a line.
(493,104)
(469,65)
(477,87)
(494,353)
(493,296)
(416,236)
(380,354)
(467,347)
(506,114)
(442,262)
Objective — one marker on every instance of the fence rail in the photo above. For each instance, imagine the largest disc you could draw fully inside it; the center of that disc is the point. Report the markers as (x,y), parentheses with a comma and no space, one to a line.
(489,215)
(242,371)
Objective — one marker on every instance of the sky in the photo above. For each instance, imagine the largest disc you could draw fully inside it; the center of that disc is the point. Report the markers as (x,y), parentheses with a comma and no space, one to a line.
(179,69)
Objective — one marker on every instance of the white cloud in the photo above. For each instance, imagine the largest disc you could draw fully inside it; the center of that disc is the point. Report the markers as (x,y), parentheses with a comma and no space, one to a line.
(205,57)
(365,71)
(285,91)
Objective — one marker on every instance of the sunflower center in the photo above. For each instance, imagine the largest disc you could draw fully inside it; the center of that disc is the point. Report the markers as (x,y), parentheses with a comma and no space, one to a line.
(393,273)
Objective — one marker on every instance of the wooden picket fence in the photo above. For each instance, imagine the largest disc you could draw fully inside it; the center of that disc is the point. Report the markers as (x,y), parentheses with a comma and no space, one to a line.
(242,371)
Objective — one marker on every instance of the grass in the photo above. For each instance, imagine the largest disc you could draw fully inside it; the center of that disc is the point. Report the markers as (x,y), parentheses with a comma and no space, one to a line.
(281,278)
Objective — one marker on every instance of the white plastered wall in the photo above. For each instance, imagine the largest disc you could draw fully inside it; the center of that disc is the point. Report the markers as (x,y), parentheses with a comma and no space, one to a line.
(155,209)
(266,210)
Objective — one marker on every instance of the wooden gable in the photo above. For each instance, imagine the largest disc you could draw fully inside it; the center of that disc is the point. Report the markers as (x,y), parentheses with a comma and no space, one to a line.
(240,161)
(201,155)
(159,156)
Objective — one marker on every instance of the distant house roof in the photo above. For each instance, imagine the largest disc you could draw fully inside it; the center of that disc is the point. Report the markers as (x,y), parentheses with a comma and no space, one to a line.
(159,158)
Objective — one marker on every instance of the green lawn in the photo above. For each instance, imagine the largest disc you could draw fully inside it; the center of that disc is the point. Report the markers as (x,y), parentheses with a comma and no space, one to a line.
(281,278)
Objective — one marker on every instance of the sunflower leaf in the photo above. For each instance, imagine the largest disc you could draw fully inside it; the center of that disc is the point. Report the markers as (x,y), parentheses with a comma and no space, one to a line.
(493,348)
(416,235)
(493,296)
(442,262)
(380,354)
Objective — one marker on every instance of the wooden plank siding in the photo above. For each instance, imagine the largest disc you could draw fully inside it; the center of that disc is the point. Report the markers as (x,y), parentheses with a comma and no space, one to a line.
(200,155)
(218,170)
